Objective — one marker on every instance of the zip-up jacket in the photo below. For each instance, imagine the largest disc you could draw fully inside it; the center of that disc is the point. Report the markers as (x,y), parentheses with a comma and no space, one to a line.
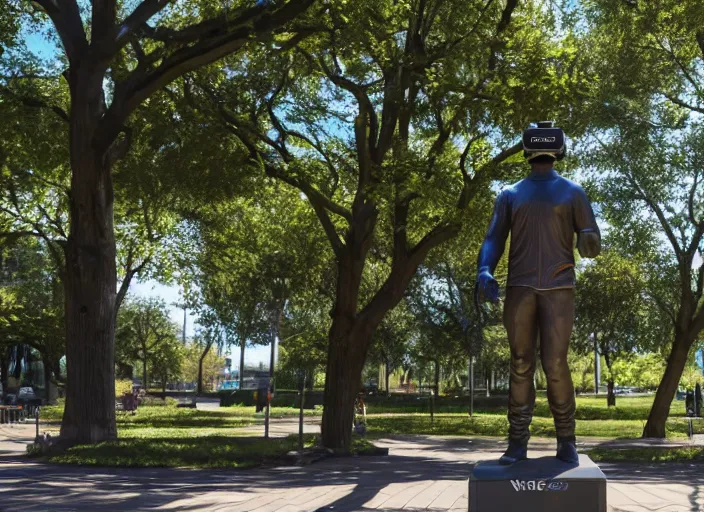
(542,213)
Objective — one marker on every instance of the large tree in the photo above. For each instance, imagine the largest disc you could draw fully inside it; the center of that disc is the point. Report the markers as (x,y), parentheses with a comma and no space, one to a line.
(115,61)
(648,57)
(438,91)
(652,191)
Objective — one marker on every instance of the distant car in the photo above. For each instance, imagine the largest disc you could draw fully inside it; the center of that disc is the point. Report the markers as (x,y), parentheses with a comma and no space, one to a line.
(229,385)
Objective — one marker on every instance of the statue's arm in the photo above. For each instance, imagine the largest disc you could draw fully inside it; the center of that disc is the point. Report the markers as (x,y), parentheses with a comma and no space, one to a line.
(588,234)
(492,249)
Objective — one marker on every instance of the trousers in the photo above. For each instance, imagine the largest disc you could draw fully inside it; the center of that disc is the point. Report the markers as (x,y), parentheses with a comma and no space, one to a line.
(527,312)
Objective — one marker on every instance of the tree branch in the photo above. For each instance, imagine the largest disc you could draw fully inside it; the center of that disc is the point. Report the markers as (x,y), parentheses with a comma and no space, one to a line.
(500,28)
(314,195)
(332,234)
(67,20)
(360,94)
(659,214)
(400,223)
(687,74)
(142,13)
(207,42)
(468,190)
(103,15)
(681,103)
(34,102)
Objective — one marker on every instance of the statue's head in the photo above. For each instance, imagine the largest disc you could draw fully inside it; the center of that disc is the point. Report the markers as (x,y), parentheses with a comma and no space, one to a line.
(543,144)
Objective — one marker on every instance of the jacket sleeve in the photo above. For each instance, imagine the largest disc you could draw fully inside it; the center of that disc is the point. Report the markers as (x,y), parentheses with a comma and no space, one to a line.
(588,234)
(584,219)
(495,240)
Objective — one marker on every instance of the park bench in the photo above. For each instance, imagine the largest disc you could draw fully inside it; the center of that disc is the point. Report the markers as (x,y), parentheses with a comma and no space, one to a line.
(11,413)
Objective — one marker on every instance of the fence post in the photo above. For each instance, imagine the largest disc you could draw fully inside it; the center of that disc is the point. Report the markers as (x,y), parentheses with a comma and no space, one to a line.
(36,414)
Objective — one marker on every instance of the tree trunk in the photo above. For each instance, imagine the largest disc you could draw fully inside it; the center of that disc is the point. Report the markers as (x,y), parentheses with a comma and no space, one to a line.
(145,385)
(47,379)
(199,389)
(3,371)
(437,377)
(243,346)
(597,366)
(310,378)
(343,380)
(90,275)
(655,426)
(352,332)
(387,369)
(610,395)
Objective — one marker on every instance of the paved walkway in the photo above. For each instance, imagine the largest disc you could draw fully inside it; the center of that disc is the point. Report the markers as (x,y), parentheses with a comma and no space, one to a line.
(421,472)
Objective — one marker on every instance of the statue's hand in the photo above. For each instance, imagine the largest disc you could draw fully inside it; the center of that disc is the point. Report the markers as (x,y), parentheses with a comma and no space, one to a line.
(487,289)
(588,243)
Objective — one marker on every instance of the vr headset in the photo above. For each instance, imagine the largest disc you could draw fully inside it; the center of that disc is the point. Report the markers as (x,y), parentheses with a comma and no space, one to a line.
(544,140)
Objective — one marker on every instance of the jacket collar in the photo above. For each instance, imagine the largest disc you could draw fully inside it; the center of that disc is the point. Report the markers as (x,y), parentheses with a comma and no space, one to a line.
(547,176)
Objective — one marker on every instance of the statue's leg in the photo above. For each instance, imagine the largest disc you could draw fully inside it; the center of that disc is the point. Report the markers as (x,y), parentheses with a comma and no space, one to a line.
(556,318)
(521,325)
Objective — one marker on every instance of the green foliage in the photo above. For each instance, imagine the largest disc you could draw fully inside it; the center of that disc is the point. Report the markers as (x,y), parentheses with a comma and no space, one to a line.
(146,336)
(640,370)
(213,363)
(582,371)
(610,306)
(122,386)
(31,302)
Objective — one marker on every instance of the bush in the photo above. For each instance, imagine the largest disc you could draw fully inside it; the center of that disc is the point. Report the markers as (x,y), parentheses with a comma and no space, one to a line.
(122,386)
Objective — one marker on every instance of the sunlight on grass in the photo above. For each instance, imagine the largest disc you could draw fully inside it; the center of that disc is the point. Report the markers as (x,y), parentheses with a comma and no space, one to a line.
(650,454)
(182,451)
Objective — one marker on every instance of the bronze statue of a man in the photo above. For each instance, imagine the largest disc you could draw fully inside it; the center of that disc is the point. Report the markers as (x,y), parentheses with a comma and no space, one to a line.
(542,213)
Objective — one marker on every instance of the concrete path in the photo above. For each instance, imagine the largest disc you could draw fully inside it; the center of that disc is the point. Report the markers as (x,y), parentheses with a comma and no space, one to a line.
(420,473)
(15,437)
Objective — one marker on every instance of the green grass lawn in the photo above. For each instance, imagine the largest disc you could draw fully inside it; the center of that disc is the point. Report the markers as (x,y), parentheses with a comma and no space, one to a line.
(183,437)
(594,418)
(185,448)
(168,436)
(651,454)
(589,407)
(497,425)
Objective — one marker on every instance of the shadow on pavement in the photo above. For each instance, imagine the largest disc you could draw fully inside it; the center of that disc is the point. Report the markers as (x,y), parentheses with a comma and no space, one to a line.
(337,484)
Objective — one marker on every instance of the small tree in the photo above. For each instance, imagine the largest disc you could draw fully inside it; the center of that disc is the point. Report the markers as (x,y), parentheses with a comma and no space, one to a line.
(391,341)
(166,364)
(610,311)
(200,365)
(144,330)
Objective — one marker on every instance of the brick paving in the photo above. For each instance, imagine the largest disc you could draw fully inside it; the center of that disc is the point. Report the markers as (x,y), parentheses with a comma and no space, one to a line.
(420,473)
